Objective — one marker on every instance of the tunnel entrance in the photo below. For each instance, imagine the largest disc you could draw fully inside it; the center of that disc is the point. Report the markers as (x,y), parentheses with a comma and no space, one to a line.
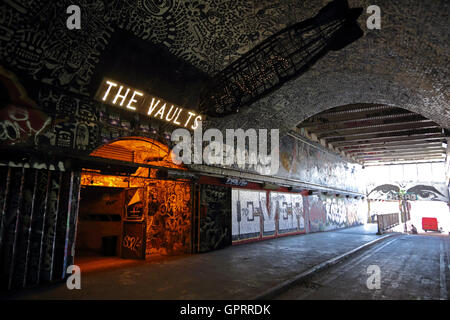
(402,160)
(133,215)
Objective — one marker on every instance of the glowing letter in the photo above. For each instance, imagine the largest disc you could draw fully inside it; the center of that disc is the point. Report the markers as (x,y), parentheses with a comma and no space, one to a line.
(161,111)
(129,106)
(119,96)
(111,84)
(168,114)
(189,119)
(199,118)
(175,121)
(153,106)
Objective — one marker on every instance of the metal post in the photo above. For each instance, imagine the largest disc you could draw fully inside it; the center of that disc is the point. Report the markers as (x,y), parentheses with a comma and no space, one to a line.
(55,226)
(43,225)
(16,229)
(3,208)
(27,255)
(379,224)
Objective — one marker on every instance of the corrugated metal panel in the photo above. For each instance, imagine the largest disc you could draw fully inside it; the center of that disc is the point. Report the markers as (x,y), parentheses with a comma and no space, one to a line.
(37,226)
(114,152)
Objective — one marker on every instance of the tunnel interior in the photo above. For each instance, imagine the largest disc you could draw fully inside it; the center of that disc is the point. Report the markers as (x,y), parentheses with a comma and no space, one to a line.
(402,155)
(361,115)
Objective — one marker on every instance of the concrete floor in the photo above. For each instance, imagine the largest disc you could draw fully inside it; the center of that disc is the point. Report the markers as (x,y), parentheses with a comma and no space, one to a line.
(237,272)
(412,267)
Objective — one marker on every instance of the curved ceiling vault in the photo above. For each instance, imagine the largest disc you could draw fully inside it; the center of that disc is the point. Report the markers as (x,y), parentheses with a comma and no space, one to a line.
(405,64)
(373,134)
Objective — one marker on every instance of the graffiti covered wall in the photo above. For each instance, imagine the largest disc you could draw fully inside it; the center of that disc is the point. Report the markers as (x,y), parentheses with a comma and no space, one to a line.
(166,208)
(253,217)
(304,162)
(62,81)
(62,121)
(247,209)
(169,217)
(215,217)
(35,34)
(288,210)
(330,212)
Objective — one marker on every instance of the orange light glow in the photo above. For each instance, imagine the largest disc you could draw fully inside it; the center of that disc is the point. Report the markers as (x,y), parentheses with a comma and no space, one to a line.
(166,203)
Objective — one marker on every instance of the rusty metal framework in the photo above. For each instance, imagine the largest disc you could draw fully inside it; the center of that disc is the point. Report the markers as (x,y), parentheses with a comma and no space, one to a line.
(280,57)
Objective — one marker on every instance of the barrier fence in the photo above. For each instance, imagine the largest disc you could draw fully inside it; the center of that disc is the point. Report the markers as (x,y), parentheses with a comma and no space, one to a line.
(387,221)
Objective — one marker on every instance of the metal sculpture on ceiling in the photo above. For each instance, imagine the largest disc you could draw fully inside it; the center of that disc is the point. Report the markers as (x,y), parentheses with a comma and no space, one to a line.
(280,57)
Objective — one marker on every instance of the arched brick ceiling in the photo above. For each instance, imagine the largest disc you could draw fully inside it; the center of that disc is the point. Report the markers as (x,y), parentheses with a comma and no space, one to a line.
(405,64)
(374,134)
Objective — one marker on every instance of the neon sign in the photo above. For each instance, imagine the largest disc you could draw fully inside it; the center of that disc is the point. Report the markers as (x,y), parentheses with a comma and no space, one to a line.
(120,95)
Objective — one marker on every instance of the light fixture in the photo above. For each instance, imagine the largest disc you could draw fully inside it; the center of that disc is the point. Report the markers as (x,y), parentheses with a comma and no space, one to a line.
(270,186)
(166,135)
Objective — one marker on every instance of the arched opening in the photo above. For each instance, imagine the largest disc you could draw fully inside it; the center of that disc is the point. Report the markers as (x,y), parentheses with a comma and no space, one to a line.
(402,157)
(130,207)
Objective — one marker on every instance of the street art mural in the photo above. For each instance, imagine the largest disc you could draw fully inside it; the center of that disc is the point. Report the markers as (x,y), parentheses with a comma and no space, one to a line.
(288,210)
(61,120)
(34,38)
(247,213)
(291,213)
(18,124)
(409,191)
(304,162)
(330,212)
(169,218)
(253,217)
(215,217)
(317,214)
